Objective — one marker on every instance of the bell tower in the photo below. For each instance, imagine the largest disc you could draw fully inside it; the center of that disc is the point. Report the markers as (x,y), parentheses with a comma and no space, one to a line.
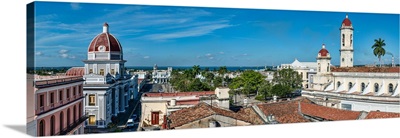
(346,43)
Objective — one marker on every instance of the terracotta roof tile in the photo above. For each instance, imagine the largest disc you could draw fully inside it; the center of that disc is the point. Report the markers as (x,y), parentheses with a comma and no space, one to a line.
(328,113)
(75,71)
(366,69)
(284,112)
(202,110)
(377,115)
(203,93)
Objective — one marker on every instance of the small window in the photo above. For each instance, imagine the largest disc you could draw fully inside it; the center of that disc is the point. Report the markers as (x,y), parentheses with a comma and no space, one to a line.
(342,59)
(90,71)
(52,98)
(391,88)
(376,87)
(60,95)
(73,91)
(112,71)
(92,100)
(338,84)
(350,85)
(101,71)
(41,100)
(68,94)
(92,120)
(362,86)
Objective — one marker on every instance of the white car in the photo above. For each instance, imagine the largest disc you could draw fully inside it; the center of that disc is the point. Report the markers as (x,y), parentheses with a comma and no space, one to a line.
(130,123)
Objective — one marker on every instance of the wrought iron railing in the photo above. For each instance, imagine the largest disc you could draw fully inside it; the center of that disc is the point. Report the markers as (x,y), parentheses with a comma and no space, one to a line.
(73,125)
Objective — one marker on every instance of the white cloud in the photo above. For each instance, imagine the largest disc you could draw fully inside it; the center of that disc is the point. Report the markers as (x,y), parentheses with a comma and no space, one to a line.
(192,32)
(221,53)
(146,57)
(208,54)
(210,58)
(63,51)
(64,55)
(38,53)
(75,6)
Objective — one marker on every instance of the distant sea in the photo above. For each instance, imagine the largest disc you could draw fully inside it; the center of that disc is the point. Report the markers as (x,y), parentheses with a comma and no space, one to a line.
(211,68)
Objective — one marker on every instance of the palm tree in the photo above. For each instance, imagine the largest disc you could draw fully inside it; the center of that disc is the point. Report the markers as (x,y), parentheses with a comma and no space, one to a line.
(196,69)
(378,49)
(222,70)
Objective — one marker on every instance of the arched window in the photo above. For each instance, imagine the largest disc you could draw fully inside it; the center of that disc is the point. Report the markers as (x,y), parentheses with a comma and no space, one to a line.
(390,88)
(42,127)
(362,86)
(74,115)
(68,117)
(350,85)
(351,39)
(306,85)
(342,59)
(52,125)
(376,86)
(61,120)
(342,39)
(327,68)
(338,84)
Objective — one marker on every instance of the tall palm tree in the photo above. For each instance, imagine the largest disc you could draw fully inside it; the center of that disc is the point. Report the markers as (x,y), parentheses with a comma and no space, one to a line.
(196,69)
(378,49)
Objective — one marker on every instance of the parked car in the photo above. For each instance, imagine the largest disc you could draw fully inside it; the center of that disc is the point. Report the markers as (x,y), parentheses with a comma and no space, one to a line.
(130,123)
(134,117)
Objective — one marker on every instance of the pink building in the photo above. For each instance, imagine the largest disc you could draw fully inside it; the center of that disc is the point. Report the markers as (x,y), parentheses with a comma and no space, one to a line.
(55,105)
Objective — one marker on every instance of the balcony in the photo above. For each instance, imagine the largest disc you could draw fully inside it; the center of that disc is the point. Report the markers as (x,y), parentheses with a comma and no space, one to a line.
(73,125)
(41,109)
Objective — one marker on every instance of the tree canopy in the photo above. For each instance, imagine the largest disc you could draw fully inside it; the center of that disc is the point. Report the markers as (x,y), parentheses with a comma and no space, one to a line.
(248,82)
(378,49)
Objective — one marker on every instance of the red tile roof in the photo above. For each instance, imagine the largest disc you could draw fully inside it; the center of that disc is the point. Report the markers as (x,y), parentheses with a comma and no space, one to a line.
(75,71)
(203,110)
(328,113)
(366,69)
(378,115)
(203,93)
(284,112)
(323,52)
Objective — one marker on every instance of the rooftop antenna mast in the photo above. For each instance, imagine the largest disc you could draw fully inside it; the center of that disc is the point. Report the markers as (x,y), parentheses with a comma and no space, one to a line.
(392,58)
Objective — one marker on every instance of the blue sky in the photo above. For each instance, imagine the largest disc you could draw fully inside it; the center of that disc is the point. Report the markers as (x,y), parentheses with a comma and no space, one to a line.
(186,36)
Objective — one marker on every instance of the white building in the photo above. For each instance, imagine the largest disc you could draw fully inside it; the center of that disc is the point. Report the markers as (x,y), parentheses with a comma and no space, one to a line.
(353,88)
(161,76)
(108,87)
(305,69)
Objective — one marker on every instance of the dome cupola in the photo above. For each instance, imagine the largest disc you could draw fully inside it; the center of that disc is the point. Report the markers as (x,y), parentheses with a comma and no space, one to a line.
(105,42)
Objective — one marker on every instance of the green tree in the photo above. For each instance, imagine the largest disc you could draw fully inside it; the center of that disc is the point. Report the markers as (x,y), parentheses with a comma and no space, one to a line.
(378,49)
(280,90)
(265,90)
(196,69)
(288,77)
(217,81)
(249,82)
(222,70)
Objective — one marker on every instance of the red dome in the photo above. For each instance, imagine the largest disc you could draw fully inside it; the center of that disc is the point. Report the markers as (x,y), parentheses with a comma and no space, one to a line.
(346,21)
(75,71)
(323,52)
(105,39)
